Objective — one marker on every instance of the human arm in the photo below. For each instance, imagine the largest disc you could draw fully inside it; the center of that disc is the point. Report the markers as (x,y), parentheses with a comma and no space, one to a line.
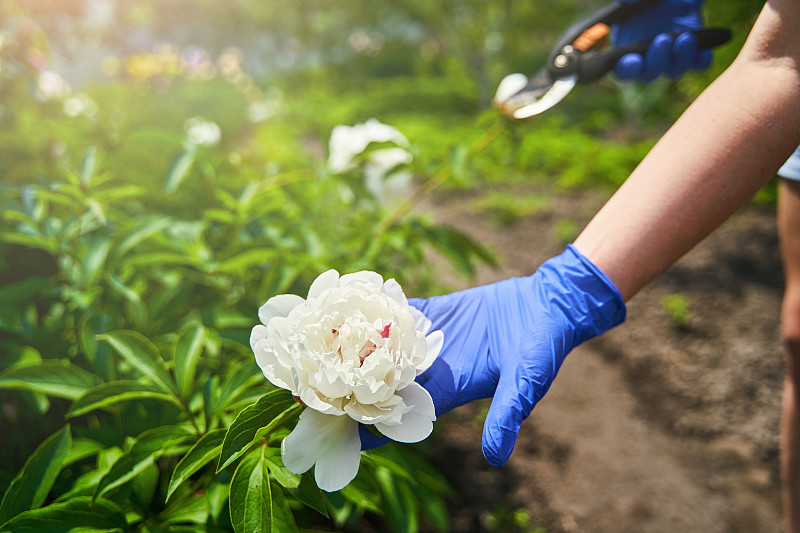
(727,145)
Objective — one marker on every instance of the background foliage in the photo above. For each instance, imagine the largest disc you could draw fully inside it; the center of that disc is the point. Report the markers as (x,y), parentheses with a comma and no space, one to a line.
(162,173)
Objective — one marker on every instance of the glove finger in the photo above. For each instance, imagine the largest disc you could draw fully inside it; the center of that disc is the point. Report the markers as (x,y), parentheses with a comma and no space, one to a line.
(629,67)
(657,58)
(512,403)
(684,54)
(703,59)
(370,440)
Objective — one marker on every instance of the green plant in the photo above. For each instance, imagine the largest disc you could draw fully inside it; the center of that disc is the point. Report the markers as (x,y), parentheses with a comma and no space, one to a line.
(678,308)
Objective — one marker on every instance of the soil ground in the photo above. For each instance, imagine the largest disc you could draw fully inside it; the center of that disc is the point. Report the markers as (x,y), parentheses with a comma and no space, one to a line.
(652,427)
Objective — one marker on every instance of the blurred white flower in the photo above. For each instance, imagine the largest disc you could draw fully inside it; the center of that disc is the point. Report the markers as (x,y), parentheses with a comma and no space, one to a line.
(347,142)
(381,176)
(350,352)
(80,104)
(202,132)
(51,86)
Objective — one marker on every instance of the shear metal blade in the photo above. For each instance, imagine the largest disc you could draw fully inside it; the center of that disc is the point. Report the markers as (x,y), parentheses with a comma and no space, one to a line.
(557,91)
(517,91)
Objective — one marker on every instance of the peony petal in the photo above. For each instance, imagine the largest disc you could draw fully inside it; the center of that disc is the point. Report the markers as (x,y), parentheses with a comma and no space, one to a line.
(324,281)
(365,276)
(330,441)
(393,290)
(421,322)
(434,341)
(309,397)
(279,305)
(271,367)
(416,424)
(338,465)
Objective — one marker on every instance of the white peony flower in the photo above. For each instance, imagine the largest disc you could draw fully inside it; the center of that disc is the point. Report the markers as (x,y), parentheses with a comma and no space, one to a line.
(350,352)
(347,142)
(202,132)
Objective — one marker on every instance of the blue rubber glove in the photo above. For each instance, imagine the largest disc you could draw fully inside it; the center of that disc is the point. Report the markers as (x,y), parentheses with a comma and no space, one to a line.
(672,57)
(507,340)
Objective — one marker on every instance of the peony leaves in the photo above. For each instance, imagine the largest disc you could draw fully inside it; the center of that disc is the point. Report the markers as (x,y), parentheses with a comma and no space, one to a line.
(203,451)
(143,355)
(56,378)
(253,422)
(30,488)
(257,505)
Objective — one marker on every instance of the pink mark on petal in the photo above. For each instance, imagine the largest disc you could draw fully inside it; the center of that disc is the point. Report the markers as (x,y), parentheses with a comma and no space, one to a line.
(385,332)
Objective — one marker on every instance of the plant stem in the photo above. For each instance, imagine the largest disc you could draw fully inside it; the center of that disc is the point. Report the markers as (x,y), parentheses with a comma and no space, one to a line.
(435,181)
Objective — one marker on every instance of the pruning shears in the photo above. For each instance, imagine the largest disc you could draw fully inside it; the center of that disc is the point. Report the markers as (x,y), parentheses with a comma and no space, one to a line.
(582,56)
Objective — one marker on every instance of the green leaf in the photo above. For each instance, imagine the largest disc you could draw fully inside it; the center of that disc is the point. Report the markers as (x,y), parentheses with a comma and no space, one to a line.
(253,421)
(114,392)
(30,488)
(88,165)
(23,290)
(137,350)
(58,378)
(400,508)
(193,509)
(149,446)
(282,517)
(245,260)
(251,496)
(232,386)
(48,244)
(69,516)
(81,449)
(181,166)
(187,355)
(203,451)
(308,493)
(282,475)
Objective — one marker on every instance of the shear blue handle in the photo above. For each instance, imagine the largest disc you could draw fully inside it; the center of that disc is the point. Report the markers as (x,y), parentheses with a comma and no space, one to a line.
(577,51)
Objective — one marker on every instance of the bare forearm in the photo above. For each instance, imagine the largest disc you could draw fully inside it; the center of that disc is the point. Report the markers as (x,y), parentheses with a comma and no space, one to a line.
(723,149)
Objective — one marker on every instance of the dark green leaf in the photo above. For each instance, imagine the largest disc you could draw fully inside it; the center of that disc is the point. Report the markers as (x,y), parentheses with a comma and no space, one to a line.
(282,517)
(81,449)
(58,378)
(149,446)
(23,290)
(187,354)
(233,385)
(253,421)
(68,516)
(137,350)
(114,392)
(192,509)
(250,497)
(30,488)
(308,493)
(400,508)
(206,449)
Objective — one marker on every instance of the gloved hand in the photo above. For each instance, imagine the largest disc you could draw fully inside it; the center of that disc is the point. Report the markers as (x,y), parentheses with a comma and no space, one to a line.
(665,55)
(508,340)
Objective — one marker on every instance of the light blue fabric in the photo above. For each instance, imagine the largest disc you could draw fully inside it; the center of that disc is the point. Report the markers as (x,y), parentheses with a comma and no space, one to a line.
(791,169)
(507,340)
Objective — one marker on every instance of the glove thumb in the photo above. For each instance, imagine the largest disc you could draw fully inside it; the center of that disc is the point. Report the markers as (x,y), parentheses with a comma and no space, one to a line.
(512,403)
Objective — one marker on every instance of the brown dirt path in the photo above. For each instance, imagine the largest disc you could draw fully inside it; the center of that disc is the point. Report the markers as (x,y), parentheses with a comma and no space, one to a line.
(651,428)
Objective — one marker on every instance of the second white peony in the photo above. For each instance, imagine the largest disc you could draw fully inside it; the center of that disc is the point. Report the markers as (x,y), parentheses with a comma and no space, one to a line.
(350,353)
